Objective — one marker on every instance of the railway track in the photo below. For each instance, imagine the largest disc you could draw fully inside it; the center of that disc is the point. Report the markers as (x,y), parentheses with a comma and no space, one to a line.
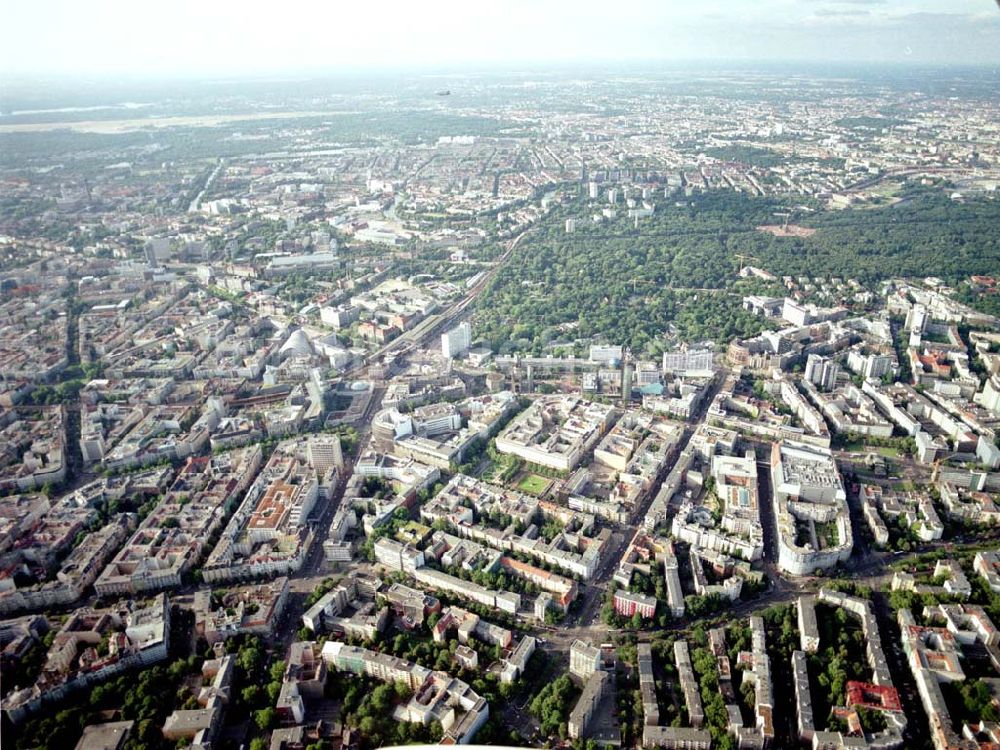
(425,331)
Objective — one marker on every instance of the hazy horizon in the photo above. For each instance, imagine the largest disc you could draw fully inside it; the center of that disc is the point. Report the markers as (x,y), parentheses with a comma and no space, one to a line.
(55,38)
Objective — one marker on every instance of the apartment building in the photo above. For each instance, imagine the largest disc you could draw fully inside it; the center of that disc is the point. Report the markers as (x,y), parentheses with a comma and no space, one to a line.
(628,604)
(556,431)
(594,690)
(269,533)
(810,508)
(171,538)
(138,636)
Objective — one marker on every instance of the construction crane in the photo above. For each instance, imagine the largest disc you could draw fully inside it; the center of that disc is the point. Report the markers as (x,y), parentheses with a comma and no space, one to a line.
(743,260)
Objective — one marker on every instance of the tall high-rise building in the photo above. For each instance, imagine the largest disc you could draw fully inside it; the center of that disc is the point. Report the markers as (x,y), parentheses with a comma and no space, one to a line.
(584,659)
(627,373)
(456,341)
(877,365)
(821,371)
(869,365)
(158,249)
(324,453)
(917,319)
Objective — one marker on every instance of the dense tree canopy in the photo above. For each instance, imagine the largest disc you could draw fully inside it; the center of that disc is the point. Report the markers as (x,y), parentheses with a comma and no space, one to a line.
(676,273)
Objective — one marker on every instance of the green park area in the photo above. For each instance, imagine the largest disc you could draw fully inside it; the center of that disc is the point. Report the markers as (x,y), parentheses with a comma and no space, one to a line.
(677,272)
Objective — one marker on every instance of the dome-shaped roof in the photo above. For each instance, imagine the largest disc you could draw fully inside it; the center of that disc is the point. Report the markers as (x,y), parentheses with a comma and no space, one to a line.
(296,345)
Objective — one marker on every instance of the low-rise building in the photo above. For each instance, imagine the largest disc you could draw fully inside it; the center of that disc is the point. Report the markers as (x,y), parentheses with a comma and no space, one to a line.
(437,697)
(948,572)
(805,722)
(932,655)
(676,738)
(469,625)
(436,580)
(688,683)
(304,677)
(808,628)
(987,565)
(109,736)
(200,726)
(516,663)
(351,609)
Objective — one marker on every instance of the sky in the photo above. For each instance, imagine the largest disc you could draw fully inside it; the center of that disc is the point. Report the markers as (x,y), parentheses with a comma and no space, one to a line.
(212,37)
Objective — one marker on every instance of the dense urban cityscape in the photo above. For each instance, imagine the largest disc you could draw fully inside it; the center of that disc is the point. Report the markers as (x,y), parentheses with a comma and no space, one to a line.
(647,409)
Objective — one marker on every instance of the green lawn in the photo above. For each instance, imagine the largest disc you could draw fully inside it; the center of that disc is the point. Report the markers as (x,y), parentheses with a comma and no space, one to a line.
(533,484)
(886,452)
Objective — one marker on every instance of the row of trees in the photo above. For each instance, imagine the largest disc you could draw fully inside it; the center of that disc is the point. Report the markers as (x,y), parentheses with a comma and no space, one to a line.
(368,707)
(146,697)
(497,581)
(713,704)
(552,706)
